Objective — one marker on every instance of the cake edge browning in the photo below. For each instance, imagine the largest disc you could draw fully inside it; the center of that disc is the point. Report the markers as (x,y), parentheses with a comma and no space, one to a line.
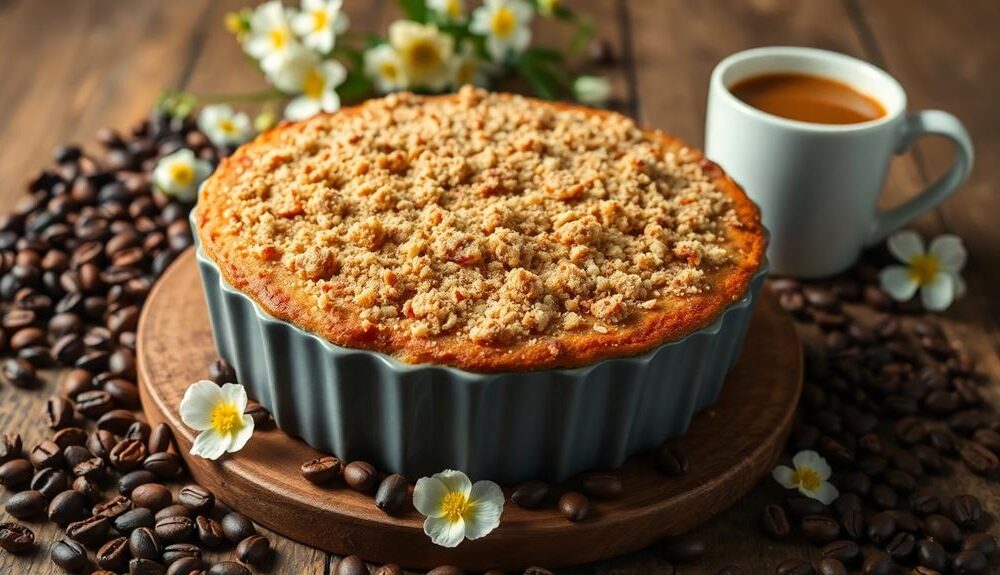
(269,288)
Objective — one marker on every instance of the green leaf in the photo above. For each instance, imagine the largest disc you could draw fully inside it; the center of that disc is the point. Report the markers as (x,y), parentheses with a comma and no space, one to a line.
(414,10)
(355,88)
(546,54)
(541,81)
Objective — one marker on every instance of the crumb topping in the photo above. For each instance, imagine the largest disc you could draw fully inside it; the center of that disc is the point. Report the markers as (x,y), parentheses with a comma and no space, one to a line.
(484,216)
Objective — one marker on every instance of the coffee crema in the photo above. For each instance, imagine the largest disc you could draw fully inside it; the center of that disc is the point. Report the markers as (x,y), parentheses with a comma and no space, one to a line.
(808,98)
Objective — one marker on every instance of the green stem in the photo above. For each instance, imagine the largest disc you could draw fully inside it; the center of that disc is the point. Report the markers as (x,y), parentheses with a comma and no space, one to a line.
(263,96)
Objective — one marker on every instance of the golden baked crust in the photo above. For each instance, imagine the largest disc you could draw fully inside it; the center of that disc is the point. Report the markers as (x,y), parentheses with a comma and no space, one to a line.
(489,232)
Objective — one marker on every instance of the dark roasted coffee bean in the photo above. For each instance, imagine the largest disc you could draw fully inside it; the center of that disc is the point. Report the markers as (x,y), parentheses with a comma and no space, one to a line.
(260,415)
(884,497)
(58,412)
(900,481)
(139,430)
(160,439)
(234,568)
(800,507)
(830,566)
(26,504)
(452,570)
(391,493)
(943,530)
(820,529)
(124,393)
(943,441)
(87,487)
(351,565)
(165,464)
(981,542)
(602,485)
(69,555)
(92,467)
(881,528)
(16,473)
(75,454)
(75,382)
(101,442)
(858,483)
(683,549)
(70,436)
(793,566)
(847,502)
(361,476)
(197,498)
(133,519)
(987,438)
(116,421)
(237,527)
(774,522)
(978,459)
(175,510)
(113,508)
(220,371)
(853,523)
(113,555)
(46,454)
(94,404)
(670,461)
(873,466)
(965,510)
(901,546)
(393,569)
(186,566)
(177,551)
(209,531)
(932,554)
(254,550)
(128,482)
(530,494)
(904,461)
(145,567)
(921,570)
(144,543)
(924,501)
(842,550)
(127,455)
(969,563)
(18,372)
(91,532)
(574,506)
(16,538)
(321,470)
(929,458)
(10,447)
(67,507)
(905,521)
(879,563)
(153,496)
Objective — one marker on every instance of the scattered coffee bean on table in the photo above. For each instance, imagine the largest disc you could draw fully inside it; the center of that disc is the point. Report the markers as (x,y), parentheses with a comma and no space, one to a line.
(16,538)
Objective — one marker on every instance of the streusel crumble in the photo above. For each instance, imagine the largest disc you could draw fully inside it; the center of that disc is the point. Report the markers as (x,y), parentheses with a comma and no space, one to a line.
(486,231)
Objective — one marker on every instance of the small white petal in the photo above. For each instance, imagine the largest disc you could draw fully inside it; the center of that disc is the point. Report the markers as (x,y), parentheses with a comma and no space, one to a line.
(897,282)
(785,476)
(938,295)
(960,288)
(906,245)
(444,532)
(950,252)
(235,394)
(330,102)
(334,72)
(301,108)
(455,481)
(428,494)
(241,437)
(812,460)
(199,400)
(826,493)
(210,444)
(487,507)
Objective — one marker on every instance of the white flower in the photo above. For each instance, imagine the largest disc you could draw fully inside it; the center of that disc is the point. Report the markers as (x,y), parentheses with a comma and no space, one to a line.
(448,10)
(385,68)
(270,40)
(592,90)
(319,22)
(467,68)
(934,272)
(223,126)
(180,174)
(547,7)
(217,412)
(505,24)
(455,508)
(424,52)
(809,477)
(314,79)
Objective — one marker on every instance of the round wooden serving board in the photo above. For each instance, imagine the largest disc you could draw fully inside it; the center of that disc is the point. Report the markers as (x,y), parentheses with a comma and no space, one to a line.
(729,447)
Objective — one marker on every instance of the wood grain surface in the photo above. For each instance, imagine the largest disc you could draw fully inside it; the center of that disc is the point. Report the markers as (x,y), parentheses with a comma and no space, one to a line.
(68,68)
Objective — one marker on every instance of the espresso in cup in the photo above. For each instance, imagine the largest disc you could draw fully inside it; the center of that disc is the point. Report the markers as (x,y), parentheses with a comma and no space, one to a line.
(808,98)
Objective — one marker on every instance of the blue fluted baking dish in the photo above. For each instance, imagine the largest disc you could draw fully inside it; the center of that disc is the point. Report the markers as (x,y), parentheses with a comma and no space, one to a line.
(420,419)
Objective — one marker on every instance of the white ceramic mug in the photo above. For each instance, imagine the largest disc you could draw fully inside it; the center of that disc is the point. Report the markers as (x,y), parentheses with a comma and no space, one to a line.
(817,184)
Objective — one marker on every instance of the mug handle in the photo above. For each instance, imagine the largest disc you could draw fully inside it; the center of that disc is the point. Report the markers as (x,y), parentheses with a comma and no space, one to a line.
(927,122)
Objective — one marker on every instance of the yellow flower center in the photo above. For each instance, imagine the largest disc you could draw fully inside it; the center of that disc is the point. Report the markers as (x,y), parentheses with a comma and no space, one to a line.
(808,478)
(313,84)
(226,419)
(227,126)
(320,19)
(924,268)
(455,505)
(423,54)
(389,71)
(279,37)
(454,9)
(182,174)
(503,23)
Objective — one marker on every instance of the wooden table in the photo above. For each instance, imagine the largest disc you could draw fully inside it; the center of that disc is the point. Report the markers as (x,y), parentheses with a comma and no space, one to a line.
(68,68)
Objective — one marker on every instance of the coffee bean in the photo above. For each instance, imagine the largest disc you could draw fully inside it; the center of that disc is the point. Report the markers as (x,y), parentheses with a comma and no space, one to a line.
(46,454)
(127,455)
(842,550)
(73,455)
(75,382)
(26,504)
(237,527)
(113,508)
(321,470)
(91,531)
(530,494)
(69,555)
(165,464)
(574,506)
(969,563)
(153,496)
(602,485)
(101,442)
(70,436)
(94,404)
(884,496)
(178,551)
(87,487)
(10,447)
(175,510)
(987,438)
(139,430)
(113,555)
(209,531)
(683,549)
(220,371)
(905,521)
(881,528)
(853,523)
(879,563)
(393,569)
(186,566)
(58,412)
(128,482)
(16,473)
(981,542)
(116,421)
(830,566)
(794,566)
(929,458)
(447,570)
(19,373)
(253,550)
(774,522)
(901,546)
(820,529)
(133,519)
(145,567)
(161,438)
(144,543)
(67,507)
(924,501)
(965,510)
(16,538)
(943,530)
(670,461)
(858,483)
(932,554)
(261,416)
(361,476)
(234,568)
(391,494)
